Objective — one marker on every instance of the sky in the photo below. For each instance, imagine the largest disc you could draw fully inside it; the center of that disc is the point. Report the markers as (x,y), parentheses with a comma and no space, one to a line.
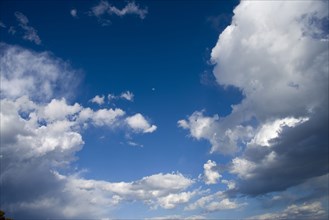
(164,109)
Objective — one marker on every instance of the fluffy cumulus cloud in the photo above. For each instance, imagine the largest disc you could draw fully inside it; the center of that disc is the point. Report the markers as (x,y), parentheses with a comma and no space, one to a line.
(30,33)
(103,10)
(40,136)
(211,174)
(139,124)
(221,139)
(280,65)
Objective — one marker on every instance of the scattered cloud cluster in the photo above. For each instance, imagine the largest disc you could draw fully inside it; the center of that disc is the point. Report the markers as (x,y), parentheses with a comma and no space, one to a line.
(41,134)
(100,100)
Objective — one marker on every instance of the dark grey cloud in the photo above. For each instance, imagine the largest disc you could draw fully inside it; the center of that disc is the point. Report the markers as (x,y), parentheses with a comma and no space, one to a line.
(301,153)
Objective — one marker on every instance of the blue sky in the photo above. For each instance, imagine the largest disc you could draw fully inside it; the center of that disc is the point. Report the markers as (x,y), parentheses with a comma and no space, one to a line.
(164,109)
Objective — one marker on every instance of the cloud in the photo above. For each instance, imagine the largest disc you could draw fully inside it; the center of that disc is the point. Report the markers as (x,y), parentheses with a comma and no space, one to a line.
(2,25)
(278,132)
(156,190)
(74,13)
(37,75)
(172,200)
(304,211)
(139,124)
(40,136)
(127,95)
(211,175)
(30,33)
(12,30)
(134,144)
(213,203)
(105,9)
(210,128)
(98,99)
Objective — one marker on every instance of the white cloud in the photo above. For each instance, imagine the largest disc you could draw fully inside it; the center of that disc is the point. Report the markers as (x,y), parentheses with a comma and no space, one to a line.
(59,110)
(211,175)
(172,200)
(107,116)
(37,75)
(127,95)
(74,13)
(222,139)
(98,99)
(282,72)
(271,130)
(30,33)
(134,144)
(312,210)
(139,124)
(215,202)
(242,167)
(275,62)
(230,184)
(106,8)
(221,205)
(162,190)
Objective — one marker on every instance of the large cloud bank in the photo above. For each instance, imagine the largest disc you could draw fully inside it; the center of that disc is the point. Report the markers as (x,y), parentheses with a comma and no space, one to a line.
(276,54)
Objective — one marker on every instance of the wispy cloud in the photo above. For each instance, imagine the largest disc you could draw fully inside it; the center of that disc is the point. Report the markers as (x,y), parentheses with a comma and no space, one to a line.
(30,33)
(104,9)
(312,210)
(2,25)
(127,95)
